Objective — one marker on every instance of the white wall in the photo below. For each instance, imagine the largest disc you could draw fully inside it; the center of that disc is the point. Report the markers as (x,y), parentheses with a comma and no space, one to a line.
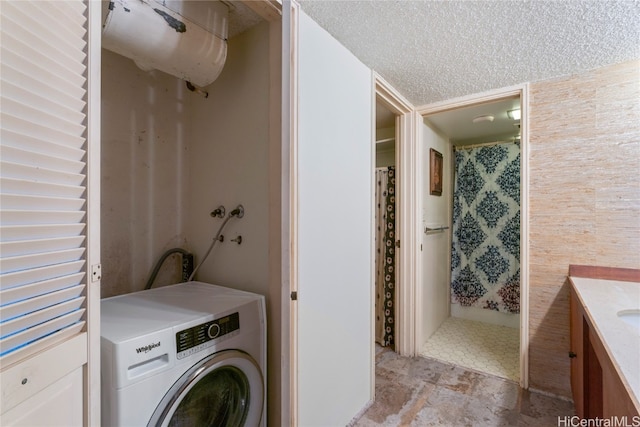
(436,247)
(145,133)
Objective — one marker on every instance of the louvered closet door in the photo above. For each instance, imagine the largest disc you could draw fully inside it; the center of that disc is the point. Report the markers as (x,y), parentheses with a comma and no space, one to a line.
(43,206)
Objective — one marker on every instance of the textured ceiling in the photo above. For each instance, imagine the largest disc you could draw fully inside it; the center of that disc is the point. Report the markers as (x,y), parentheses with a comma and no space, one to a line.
(460,129)
(241,18)
(438,50)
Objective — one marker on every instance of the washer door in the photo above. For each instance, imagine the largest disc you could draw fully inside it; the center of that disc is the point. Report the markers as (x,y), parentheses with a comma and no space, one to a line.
(225,389)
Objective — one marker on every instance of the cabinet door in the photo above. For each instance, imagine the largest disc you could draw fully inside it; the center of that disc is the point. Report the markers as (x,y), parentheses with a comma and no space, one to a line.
(607,396)
(577,353)
(616,401)
(335,230)
(59,404)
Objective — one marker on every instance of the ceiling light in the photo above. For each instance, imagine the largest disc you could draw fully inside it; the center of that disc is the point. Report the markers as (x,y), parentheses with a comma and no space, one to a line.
(486,118)
(514,114)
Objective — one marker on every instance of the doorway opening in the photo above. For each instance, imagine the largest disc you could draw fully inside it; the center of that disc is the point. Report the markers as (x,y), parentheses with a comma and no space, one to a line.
(473,315)
(395,130)
(385,226)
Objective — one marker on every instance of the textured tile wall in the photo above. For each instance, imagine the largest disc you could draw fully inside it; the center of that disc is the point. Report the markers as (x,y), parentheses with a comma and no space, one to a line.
(584,198)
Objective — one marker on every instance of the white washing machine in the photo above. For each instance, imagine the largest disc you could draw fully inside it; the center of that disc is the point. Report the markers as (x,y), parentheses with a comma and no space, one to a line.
(191,354)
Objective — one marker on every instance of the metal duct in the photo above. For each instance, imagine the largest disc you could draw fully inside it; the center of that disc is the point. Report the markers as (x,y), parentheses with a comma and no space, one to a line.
(187,39)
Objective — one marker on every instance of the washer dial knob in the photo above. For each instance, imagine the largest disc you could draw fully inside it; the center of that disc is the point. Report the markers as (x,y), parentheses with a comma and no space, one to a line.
(213,331)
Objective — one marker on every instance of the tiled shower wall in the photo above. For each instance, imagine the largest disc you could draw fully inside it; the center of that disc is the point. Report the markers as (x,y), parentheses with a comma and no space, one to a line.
(584,199)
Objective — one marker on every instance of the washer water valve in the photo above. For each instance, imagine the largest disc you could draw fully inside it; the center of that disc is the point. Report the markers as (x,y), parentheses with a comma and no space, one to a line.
(218,212)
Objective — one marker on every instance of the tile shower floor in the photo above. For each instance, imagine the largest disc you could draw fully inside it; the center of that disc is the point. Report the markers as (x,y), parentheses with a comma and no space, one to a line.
(420,392)
(479,346)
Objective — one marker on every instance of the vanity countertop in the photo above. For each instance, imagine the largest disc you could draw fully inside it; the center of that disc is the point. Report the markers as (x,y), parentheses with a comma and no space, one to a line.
(602,300)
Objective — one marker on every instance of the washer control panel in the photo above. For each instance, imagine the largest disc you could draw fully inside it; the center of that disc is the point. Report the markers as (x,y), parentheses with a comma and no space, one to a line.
(197,338)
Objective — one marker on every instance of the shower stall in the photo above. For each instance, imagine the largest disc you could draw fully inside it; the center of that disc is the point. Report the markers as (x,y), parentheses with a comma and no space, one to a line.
(470,260)
(485,249)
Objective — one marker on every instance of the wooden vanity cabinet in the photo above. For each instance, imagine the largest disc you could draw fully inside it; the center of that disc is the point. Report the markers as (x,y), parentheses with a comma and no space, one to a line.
(598,391)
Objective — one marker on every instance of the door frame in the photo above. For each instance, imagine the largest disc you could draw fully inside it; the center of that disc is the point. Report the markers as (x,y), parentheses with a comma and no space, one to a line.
(92,402)
(406,216)
(522,91)
(289,212)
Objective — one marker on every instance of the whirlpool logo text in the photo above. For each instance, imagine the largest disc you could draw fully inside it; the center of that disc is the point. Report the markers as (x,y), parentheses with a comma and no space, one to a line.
(147,348)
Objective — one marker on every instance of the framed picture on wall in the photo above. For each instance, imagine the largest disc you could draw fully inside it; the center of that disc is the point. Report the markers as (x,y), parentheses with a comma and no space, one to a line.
(435,172)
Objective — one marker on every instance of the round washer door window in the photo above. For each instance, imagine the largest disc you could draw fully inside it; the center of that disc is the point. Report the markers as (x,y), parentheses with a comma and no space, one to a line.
(225,389)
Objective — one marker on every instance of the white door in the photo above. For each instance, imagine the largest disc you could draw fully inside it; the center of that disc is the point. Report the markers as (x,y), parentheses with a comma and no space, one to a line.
(334,240)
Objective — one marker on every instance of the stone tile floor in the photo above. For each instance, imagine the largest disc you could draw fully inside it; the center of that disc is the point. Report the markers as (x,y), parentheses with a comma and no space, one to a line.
(425,392)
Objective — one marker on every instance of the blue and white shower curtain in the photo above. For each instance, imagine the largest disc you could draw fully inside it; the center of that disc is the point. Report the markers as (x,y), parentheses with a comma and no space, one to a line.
(485,253)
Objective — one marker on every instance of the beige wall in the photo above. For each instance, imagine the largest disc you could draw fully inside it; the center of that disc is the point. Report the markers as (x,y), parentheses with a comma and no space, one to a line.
(228,165)
(584,199)
(386,151)
(145,134)
(385,158)
(232,161)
